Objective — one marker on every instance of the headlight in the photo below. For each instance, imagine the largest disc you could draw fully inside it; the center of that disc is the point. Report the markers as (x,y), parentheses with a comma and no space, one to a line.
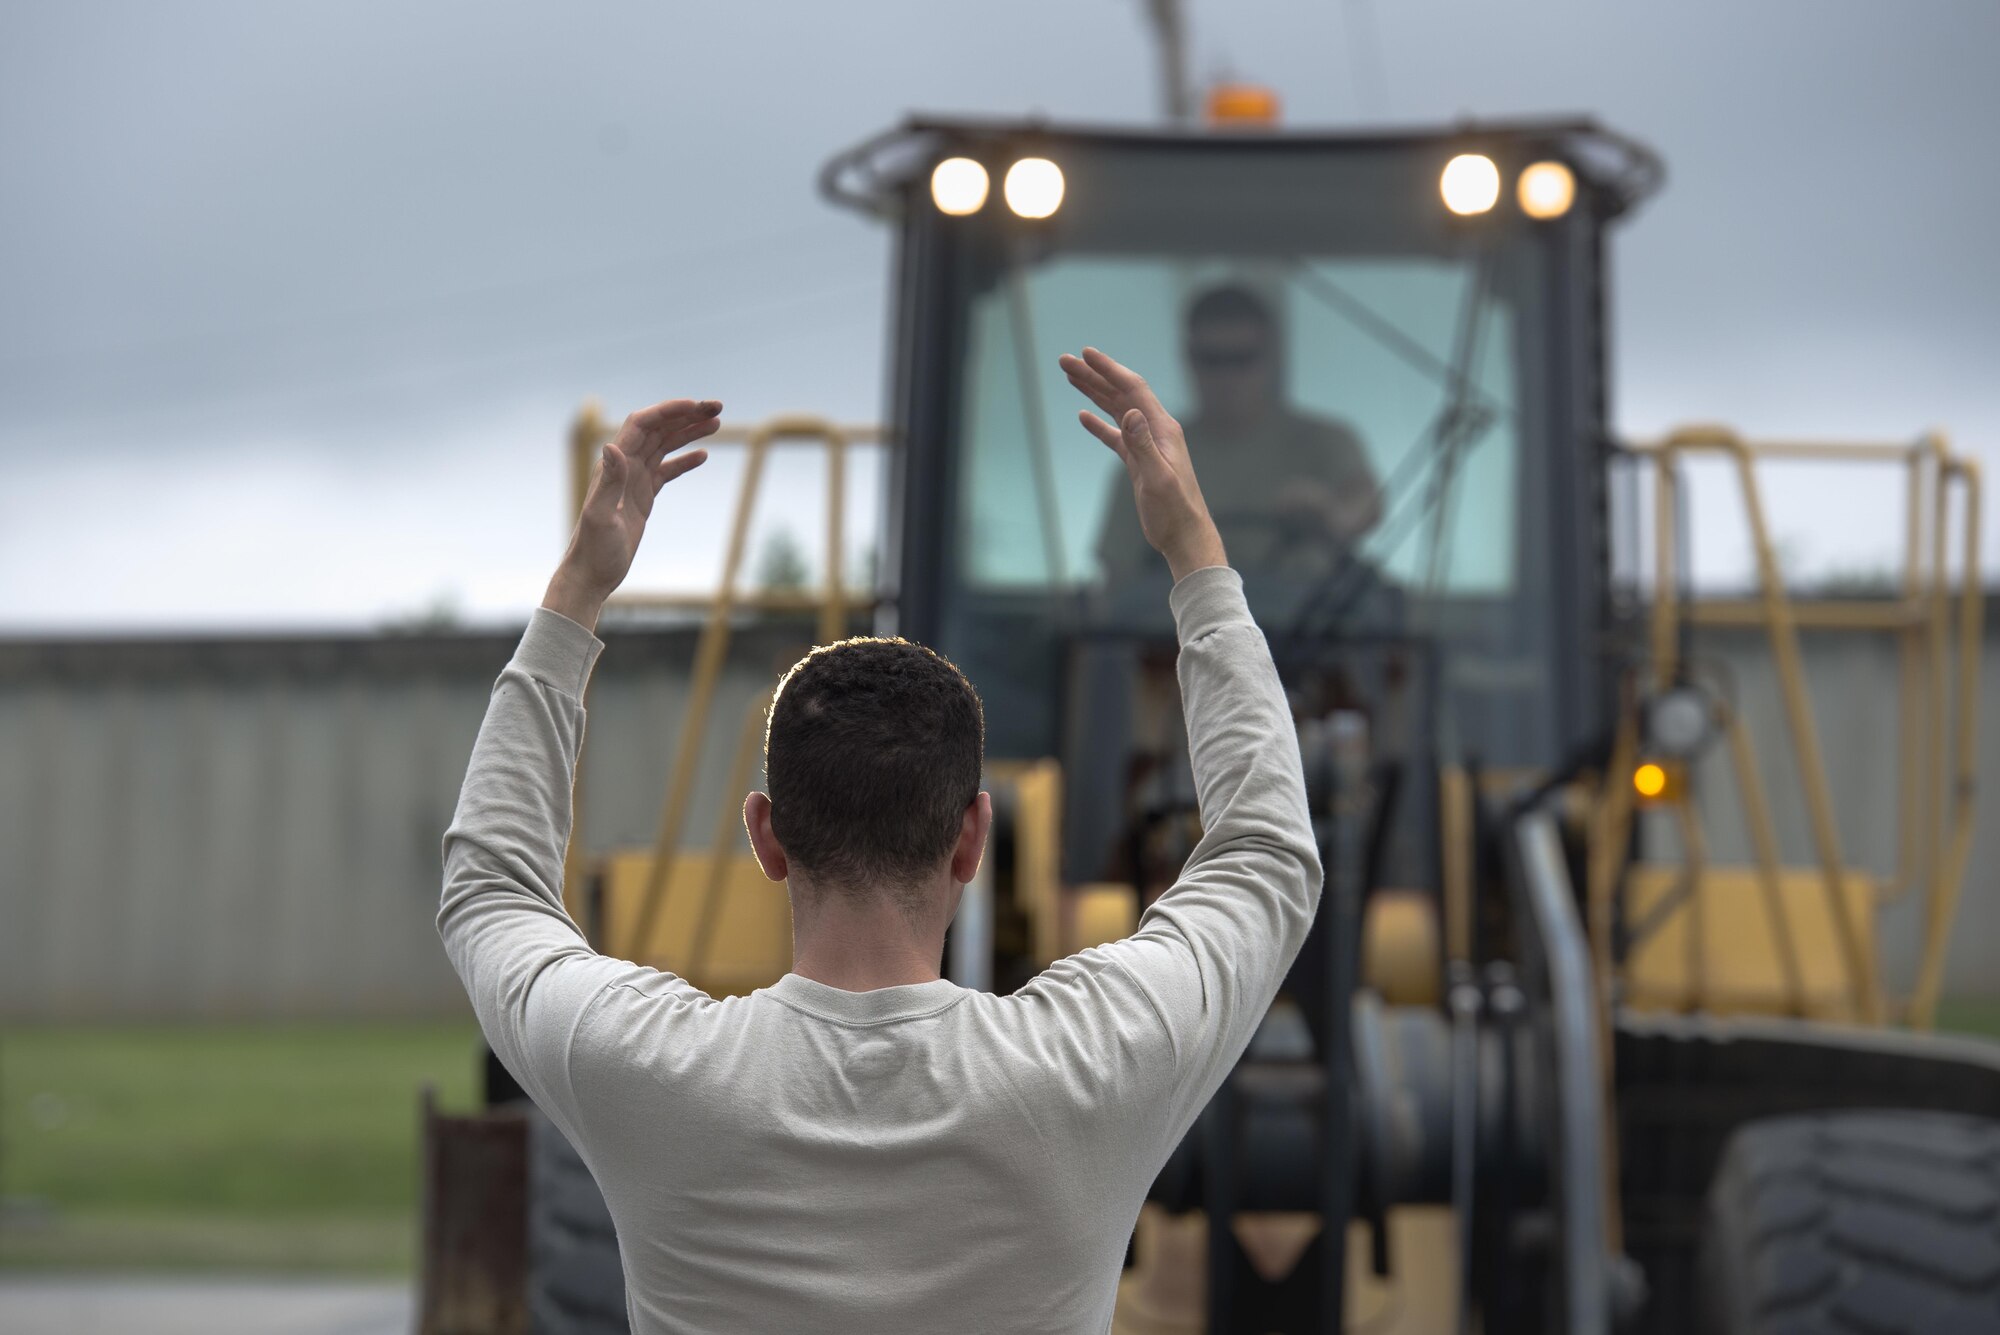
(958,186)
(1546,190)
(1470,184)
(1680,722)
(1034,187)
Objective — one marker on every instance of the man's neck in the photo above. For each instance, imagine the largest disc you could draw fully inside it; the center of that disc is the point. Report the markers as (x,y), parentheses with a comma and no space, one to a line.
(861,945)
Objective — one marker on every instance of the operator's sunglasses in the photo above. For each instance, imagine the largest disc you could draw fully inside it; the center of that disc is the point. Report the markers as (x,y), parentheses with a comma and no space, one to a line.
(1225,359)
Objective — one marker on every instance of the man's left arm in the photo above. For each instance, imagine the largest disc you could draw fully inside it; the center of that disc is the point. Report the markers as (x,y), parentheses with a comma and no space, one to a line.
(527,969)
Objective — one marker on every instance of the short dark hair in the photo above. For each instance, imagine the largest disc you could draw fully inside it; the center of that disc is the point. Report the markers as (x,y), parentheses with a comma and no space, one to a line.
(1229,301)
(872,753)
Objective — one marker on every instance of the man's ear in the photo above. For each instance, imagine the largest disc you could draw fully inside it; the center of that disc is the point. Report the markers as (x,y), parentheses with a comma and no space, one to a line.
(973,828)
(757,823)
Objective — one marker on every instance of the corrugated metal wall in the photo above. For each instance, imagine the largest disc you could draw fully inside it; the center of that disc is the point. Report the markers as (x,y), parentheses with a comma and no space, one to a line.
(251,828)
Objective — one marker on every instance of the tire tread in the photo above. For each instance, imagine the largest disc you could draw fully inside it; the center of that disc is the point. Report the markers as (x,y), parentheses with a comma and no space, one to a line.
(1876,1223)
(576,1281)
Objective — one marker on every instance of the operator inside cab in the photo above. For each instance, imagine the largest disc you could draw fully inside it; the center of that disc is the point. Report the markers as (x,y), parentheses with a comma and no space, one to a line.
(1292,493)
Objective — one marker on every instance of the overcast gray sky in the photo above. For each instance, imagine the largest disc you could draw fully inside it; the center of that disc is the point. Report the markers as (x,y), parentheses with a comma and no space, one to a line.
(297,299)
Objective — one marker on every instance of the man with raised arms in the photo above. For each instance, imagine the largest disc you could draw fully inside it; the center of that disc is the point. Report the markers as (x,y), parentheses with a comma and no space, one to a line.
(865,1146)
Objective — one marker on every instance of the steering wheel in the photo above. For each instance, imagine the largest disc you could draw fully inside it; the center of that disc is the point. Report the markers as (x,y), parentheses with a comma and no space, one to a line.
(1357,587)
(1290,534)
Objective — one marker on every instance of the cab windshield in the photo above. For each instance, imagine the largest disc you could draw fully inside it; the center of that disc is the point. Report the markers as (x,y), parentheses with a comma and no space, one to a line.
(1286,395)
(1360,381)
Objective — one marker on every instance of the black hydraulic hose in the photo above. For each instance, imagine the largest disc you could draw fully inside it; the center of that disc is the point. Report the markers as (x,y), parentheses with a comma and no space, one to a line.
(1463,1000)
(1345,856)
(1508,1005)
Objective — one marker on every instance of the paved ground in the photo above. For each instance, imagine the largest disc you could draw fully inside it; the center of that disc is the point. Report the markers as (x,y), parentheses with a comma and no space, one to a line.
(90,1305)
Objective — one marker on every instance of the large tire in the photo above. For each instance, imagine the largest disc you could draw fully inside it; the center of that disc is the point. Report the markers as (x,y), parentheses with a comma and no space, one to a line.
(576,1285)
(1854,1223)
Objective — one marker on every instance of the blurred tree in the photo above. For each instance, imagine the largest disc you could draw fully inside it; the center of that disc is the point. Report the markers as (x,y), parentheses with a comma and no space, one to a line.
(781,564)
(438,616)
(1859,581)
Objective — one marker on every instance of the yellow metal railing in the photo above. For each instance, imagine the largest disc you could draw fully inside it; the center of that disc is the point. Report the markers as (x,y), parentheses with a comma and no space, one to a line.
(1935,743)
(833,604)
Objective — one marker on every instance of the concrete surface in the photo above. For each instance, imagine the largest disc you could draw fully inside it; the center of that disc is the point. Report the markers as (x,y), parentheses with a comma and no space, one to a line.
(104,1305)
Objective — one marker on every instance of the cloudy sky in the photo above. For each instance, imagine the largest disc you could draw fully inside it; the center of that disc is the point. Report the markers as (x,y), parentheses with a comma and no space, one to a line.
(297,299)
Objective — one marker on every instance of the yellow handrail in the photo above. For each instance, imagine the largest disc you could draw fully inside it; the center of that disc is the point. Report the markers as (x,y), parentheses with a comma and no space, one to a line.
(587,437)
(1929,854)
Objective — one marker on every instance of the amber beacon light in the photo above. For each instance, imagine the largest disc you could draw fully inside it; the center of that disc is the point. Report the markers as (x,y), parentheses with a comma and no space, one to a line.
(1241,105)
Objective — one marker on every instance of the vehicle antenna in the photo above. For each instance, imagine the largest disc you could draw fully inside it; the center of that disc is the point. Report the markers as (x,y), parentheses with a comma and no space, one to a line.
(1170,27)
(1364,54)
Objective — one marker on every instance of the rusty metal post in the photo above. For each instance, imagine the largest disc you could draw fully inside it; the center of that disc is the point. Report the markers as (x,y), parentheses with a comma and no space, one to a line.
(475,1223)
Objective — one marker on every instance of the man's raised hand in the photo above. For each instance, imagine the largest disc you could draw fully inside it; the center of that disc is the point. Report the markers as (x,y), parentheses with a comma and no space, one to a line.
(630,473)
(1172,512)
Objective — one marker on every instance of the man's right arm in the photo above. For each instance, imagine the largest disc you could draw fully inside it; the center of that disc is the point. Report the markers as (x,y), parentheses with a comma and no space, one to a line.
(1210,953)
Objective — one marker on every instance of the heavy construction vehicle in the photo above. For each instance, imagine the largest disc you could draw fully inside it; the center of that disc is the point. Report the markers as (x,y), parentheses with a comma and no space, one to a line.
(1545,1064)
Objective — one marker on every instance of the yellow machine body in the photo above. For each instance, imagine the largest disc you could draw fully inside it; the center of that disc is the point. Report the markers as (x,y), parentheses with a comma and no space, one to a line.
(728,933)
(1164,1293)
(1717,951)
(1764,939)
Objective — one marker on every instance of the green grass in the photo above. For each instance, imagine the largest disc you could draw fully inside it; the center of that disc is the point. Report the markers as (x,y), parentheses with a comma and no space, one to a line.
(289,1148)
(1978,1016)
(253,1148)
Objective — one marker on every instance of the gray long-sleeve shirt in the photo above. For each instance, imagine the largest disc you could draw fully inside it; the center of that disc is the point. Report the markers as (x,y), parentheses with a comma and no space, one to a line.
(906,1159)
